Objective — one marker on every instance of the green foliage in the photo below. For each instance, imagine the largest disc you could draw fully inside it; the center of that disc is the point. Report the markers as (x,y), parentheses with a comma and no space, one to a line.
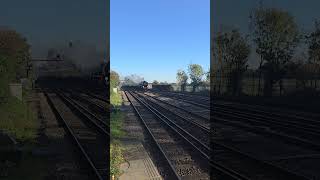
(313,40)
(14,53)
(195,73)
(114,79)
(235,52)
(116,151)
(276,35)
(18,119)
(116,122)
(115,99)
(182,79)
(116,158)
(155,82)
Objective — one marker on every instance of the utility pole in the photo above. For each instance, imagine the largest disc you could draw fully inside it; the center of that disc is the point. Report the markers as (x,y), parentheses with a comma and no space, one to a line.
(220,61)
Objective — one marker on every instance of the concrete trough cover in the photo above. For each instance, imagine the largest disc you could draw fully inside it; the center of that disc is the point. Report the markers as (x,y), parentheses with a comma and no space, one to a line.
(140,167)
(6,139)
(8,148)
(16,90)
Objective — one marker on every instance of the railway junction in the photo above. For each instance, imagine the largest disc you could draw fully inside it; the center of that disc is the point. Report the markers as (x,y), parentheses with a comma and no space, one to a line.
(240,141)
(74,128)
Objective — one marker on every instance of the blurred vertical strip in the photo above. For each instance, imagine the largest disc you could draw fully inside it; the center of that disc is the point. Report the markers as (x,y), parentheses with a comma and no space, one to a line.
(211,81)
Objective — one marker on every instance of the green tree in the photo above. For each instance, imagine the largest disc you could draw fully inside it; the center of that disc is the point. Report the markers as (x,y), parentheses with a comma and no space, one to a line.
(235,57)
(115,97)
(276,35)
(155,82)
(195,73)
(313,40)
(14,53)
(182,79)
(114,79)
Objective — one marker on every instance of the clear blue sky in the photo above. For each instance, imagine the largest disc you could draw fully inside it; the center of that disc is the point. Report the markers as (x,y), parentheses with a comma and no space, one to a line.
(156,38)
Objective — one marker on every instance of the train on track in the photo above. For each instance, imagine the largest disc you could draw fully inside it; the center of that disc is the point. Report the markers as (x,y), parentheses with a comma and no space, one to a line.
(103,74)
(144,85)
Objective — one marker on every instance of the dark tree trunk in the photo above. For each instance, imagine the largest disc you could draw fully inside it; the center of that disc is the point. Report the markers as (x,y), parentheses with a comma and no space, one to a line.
(194,88)
(268,85)
(281,86)
(260,73)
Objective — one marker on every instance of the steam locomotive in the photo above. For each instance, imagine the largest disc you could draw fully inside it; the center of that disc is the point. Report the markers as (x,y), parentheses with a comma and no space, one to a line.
(144,85)
(102,75)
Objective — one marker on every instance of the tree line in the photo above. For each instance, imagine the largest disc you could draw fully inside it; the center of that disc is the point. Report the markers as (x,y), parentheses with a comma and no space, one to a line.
(274,36)
(197,76)
(14,53)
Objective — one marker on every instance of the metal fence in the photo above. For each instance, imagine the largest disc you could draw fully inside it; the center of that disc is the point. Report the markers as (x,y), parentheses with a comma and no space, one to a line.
(190,88)
(252,84)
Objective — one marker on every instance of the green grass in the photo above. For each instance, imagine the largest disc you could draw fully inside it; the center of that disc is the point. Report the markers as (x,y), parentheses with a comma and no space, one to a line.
(116,158)
(116,121)
(115,99)
(116,150)
(18,119)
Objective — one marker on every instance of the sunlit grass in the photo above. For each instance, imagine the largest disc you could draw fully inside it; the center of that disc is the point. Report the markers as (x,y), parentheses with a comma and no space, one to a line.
(116,121)
(116,158)
(116,150)
(115,99)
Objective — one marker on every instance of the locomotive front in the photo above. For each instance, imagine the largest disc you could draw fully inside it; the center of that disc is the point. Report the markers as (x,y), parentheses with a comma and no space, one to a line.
(145,85)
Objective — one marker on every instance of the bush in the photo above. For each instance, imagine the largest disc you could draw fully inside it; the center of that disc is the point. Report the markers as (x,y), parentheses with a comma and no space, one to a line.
(116,158)
(115,99)
(18,119)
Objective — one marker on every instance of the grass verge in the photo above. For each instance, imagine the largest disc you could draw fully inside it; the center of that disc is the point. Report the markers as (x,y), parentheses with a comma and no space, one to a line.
(116,150)
(115,99)
(18,120)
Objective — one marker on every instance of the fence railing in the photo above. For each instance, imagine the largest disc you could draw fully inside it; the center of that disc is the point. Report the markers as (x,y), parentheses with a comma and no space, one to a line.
(252,84)
(190,88)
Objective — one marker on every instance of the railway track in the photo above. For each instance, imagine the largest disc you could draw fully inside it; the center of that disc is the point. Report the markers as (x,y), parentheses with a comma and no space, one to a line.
(242,166)
(86,131)
(183,121)
(199,101)
(171,142)
(292,127)
(199,112)
(97,95)
(100,107)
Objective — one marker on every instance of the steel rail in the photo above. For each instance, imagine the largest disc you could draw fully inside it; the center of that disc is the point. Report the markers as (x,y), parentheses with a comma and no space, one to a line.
(79,108)
(180,108)
(191,102)
(100,107)
(206,129)
(205,151)
(269,121)
(172,169)
(75,139)
(285,171)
